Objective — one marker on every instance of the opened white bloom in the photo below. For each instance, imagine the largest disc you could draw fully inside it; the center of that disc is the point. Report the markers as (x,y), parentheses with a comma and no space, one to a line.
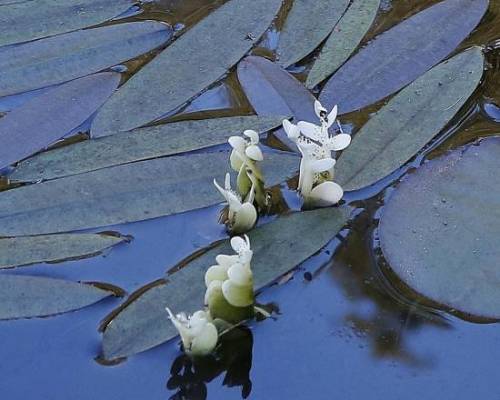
(199,335)
(241,216)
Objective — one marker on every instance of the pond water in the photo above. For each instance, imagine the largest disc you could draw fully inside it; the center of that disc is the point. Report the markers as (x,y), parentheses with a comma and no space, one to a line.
(343,330)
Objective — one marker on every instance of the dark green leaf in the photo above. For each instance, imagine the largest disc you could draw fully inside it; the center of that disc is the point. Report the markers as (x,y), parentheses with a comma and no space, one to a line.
(278,247)
(62,58)
(28,20)
(187,66)
(409,121)
(308,23)
(439,230)
(137,145)
(26,250)
(344,39)
(401,54)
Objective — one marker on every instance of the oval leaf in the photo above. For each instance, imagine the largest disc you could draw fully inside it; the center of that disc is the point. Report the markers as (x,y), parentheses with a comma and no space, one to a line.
(29,128)
(23,21)
(308,23)
(26,250)
(409,121)
(126,193)
(398,56)
(187,66)
(32,296)
(139,144)
(62,58)
(278,247)
(439,231)
(344,39)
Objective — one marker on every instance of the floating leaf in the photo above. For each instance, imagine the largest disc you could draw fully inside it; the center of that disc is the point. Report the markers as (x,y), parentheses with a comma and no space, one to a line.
(126,193)
(31,296)
(308,23)
(279,246)
(51,115)
(409,121)
(139,144)
(26,250)
(344,39)
(439,230)
(62,58)
(23,21)
(401,54)
(187,66)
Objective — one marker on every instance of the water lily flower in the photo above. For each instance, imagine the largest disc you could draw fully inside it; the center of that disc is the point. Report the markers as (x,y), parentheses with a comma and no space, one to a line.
(198,334)
(241,216)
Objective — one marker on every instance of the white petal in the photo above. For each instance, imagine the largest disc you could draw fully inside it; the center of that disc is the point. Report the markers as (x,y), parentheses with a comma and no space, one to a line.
(181,328)
(238,244)
(323,165)
(238,296)
(310,130)
(227,181)
(205,341)
(225,260)
(222,191)
(341,141)
(327,193)
(245,219)
(292,131)
(318,108)
(237,143)
(235,160)
(240,275)
(212,290)
(254,136)
(254,152)
(216,273)
(332,116)
(233,201)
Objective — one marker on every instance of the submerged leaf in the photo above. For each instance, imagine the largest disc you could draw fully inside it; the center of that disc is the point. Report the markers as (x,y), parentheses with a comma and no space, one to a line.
(187,66)
(126,193)
(409,121)
(32,296)
(278,247)
(401,54)
(139,144)
(439,230)
(23,21)
(26,250)
(61,58)
(48,117)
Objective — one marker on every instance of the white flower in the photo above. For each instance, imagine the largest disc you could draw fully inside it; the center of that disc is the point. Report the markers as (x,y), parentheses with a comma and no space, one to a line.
(242,216)
(199,335)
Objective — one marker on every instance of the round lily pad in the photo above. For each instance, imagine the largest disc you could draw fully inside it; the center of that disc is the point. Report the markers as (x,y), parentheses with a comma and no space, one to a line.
(440,230)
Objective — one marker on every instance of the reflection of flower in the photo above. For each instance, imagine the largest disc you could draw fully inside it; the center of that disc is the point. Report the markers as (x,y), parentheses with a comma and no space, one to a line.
(199,335)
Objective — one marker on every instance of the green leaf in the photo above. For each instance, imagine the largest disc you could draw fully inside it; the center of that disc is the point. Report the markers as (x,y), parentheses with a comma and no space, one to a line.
(308,23)
(26,250)
(187,66)
(31,296)
(344,39)
(400,55)
(409,121)
(139,144)
(141,323)
(24,21)
(126,193)
(439,230)
(28,129)
(62,58)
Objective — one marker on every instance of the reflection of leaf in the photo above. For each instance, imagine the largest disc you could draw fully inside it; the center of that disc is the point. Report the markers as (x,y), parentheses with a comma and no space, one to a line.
(439,231)
(344,39)
(187,66)
(137,145)
(61,58)
(32,296)
(126,193)
(23,21)
(308,23)
(27,250)
(49,116)
(278,247)
(409,121)
(398,56)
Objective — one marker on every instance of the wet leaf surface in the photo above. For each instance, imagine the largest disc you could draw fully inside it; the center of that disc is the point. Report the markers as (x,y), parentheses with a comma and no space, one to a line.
(26,250)
(62,58)
(439,230)
(401,54)
(126,193)
(188,66)
(278,247)
(48,117)
(409,121)
(23,21)
(32,296)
